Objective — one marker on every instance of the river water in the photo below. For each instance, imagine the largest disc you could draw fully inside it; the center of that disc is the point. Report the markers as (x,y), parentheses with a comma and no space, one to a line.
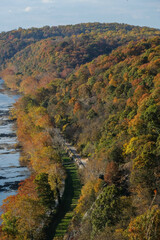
(11,172)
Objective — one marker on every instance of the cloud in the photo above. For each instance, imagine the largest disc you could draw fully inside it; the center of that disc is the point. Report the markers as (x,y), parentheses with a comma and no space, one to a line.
(47,1)
(86,1)
(27,9)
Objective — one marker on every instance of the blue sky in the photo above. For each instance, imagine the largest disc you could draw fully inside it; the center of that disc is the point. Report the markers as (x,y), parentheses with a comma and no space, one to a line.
(38,13)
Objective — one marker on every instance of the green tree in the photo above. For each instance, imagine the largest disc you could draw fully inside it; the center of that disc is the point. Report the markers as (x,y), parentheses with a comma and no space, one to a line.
(44,191)
(145,226)
(9,225)
(106,211)
(56,177)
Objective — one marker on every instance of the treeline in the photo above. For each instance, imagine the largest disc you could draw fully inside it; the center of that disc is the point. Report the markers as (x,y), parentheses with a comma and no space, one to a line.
(109,107)
(27,214)
(14,41)
(64,49)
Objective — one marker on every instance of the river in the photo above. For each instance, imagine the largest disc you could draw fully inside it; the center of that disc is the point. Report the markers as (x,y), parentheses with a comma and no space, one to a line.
(11,172)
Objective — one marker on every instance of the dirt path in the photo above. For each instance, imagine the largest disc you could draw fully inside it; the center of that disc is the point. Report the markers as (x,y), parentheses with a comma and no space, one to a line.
(71,161)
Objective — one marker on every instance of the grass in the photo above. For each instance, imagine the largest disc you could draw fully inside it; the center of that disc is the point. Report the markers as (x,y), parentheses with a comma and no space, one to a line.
(71,194)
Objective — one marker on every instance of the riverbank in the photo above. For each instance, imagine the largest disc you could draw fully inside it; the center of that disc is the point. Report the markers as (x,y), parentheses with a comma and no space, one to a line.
(12,172)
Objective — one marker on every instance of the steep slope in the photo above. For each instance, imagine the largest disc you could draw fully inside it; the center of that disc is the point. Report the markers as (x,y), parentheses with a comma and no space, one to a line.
(13,41)
(65,49)
(110,109)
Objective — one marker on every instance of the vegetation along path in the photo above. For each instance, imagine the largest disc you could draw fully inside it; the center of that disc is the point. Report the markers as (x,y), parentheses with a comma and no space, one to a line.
(70,197)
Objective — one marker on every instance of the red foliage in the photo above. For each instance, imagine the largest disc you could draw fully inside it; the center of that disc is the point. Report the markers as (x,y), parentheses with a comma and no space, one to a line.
(111,172)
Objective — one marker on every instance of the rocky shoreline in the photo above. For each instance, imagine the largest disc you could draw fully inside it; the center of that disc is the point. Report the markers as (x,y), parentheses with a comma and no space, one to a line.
(11,171)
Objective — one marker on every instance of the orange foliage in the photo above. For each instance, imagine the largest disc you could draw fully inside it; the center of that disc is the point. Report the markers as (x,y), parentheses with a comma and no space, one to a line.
(72,100)
(113,82)
(130,103)
(135,124)
(28,187)
(111,172)
(145,95)
(135,82)
(140,90)
(29,85)
(125,76)
(115,100)
(77,107)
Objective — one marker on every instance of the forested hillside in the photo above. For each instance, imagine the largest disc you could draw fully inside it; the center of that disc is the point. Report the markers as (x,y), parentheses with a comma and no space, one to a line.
(63,50)
(13,41)
(99,84)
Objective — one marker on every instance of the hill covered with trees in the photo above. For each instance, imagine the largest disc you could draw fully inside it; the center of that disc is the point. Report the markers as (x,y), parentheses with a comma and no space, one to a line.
(99,84)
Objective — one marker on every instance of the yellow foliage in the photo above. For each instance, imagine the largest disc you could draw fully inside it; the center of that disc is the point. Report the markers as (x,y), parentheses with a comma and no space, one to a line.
(125,76)
(57,118)
(98,185)
(146,226)
(86,194)
(113,82)
(130,147)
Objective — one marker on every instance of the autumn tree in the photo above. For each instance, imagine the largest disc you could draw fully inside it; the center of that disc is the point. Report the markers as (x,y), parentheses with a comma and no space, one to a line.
(44,191)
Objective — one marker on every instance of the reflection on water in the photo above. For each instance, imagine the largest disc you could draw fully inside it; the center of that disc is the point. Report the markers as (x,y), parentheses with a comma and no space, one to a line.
(11,173)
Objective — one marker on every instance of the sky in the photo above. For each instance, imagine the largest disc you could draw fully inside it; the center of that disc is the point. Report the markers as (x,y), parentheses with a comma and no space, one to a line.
(39,13)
